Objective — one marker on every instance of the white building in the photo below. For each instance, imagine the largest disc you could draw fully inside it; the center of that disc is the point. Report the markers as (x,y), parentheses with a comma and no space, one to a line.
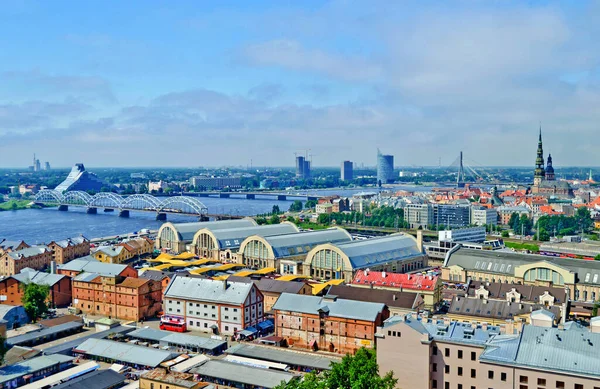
(481,216)
(472,234)
(324,208)
(207,305)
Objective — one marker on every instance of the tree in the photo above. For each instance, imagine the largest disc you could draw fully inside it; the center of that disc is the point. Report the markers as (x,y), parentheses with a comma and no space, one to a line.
(505,234)
(296,206)
(35,300)
(310,204)
(274,219)
(276,210)
(514,221)
(358,371)
(323,218)
(584,219)
(3,349)
(597,257)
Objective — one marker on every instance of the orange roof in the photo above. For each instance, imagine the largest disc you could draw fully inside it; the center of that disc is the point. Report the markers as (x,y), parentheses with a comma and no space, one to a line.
(547,210)
(398,280)
(131,282)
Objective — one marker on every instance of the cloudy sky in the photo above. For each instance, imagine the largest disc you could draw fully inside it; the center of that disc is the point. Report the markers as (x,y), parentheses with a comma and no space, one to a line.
(178,83)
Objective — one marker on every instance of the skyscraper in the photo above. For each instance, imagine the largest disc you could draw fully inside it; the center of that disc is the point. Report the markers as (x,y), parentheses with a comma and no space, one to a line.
(306,169)
(385,168)
(299,167)
(347,171)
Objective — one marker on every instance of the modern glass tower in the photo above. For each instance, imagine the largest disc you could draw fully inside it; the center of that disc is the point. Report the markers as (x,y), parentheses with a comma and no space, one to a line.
(385,168)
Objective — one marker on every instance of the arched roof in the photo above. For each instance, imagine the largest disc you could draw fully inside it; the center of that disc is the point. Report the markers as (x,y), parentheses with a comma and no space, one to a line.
(372,252)
(186,231)
(233,237)
(288,245)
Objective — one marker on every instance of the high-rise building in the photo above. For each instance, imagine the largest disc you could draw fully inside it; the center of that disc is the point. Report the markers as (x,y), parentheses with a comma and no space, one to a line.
(306,169)
(347,171)
(299,166)
(47,166)
(385,168)
(36,164)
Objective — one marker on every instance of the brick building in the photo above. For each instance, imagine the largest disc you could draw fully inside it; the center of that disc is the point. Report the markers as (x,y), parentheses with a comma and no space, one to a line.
(117,297)
(37,257)
(214,306)
(11,245)
(90,265)
(163,277)
(66,250)
(11,288)
(327,323)
(138,246)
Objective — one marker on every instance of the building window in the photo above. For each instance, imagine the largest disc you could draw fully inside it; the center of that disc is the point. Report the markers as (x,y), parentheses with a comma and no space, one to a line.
(473,355)
(473,373)
(226,328)
(490,374)
(560,385)
(434,367)
(460,371)
(523,387)
(446,385)
(434,350)
(541,382)
(447,352)
(434,384)
(460,353)
(459,386)
(205,325)
(523,379)
(502,376)
(447,369)
(578,386)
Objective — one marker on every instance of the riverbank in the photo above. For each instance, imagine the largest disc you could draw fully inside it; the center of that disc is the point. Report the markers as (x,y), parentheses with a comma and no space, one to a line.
(15,205)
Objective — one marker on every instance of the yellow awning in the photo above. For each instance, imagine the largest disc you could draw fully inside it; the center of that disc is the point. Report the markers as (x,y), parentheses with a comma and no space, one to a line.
(292,277)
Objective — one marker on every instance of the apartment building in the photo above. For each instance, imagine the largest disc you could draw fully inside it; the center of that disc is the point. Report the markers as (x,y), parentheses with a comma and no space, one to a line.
(124,298)
(12,287)
(66,250)
(207,305)
(36,257)
(419,215)
(327,323)
(482,216)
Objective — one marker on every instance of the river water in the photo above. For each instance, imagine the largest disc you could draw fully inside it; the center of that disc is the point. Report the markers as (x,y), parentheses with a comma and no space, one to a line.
(37,226)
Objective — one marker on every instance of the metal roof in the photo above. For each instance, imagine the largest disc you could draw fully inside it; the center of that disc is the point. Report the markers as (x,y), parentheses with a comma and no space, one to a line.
(71,241)
(111,251)
(20,339)
(203,289)
(233,372)
(123,352)
(496,309)
(99,379)
(31,366)
(86,277)
(372,252)
(178,339)
(503,262)
(568,351)
(289,357)
(269,285)
(67,346)
(93,266)
(186,231)
(233,237)
(288,245)
(348,309)
(37,277)
(28,252)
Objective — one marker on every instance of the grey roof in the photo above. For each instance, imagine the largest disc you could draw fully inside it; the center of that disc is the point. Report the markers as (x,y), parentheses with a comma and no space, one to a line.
(203,289)
(178,339)
(111,251)
(391,298)
(64,243)
(529,293)
(589,248)
(84,265)
(280,355)
(31,366)
(348,309)
(455,332)
(99,379)
(233,237)
(553,183)
(496,309)
(371,252)
(186,231)
(287,245)
(568,351)
(67,346)
(28,252)
(10,244)
(234,372)
(44,332)
(156,275)
(37,277)
(86,277)
(504,262)
(270,285)
(123,352)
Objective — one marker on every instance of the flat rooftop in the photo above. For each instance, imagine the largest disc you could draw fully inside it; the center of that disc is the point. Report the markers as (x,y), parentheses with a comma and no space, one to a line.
(288,357)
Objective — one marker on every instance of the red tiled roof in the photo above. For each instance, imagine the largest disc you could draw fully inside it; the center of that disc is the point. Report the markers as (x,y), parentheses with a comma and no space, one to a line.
(405,281)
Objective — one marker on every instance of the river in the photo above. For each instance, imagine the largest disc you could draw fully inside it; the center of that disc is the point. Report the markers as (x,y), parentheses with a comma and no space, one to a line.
(37,226)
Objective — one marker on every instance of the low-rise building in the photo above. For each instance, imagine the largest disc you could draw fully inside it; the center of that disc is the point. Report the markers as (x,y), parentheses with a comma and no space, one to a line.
(505,212)
(324,208)
(33,369)
(90,264)
(237,375)
(272,289)
(138,246)
(327,323)
(66,250)
(398,303)
(214,306)
(113,254)
(122,353)
(471,234)
(117,297)
(483,216)
(11,245)
(12,287)
(396,253)
(430,287)
(159,378)
(158,276)
(36,257)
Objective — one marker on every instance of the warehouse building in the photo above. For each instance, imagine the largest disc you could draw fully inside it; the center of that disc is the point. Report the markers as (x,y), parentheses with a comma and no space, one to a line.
(189,343)
(176,236)
(238,375)
(222,244)
(123,353)
(394,253)
(288,252)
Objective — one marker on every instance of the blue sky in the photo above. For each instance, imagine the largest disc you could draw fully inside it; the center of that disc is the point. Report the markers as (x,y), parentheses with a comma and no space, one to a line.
(190,83)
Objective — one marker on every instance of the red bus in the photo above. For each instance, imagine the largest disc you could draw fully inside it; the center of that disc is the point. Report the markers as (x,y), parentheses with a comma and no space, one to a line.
(171,323)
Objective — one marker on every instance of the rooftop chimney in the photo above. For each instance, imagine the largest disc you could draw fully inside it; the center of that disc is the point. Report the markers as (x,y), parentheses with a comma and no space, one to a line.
(383,274)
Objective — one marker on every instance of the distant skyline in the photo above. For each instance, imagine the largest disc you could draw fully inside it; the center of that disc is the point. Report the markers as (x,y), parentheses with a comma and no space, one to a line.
(187,83)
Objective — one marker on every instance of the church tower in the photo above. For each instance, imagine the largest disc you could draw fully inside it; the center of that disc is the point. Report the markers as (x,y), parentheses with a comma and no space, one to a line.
(549,169)
(539,173)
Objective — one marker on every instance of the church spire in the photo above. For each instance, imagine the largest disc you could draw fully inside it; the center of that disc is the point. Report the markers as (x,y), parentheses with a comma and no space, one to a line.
(539,172)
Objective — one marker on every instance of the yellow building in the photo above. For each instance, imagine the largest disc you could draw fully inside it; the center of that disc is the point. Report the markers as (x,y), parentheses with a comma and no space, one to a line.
(115,254)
